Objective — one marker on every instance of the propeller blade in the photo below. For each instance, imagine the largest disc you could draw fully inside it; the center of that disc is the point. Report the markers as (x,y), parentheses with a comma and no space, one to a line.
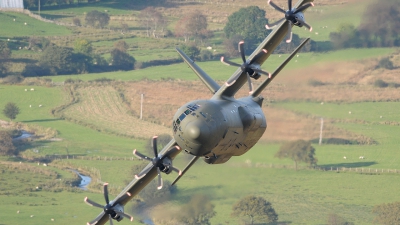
(155,146)
(307,25)
(257,57)
(241,51)
(141,156)
(110,218)
(262,72)
(289,4)
(96,220)
(176,170)
(229,63)
(142,173)
(160,182)
(232,81)
(250,84)
(276,7)
(303,7)
(192,161)
(92,203)
(289,34)
(273,25)
(105,186)
(125,215)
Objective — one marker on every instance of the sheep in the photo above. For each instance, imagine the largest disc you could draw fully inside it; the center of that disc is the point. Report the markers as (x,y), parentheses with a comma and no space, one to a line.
(30,106)
(349,112)
(316,33)
(14,19)
(40,105)
(32,89)
(18,211)
(44,164)
(322,103)
(209,47)
(25,23)
(52,219)
(381,117)
(26,89)
(361,157)
(344,157)
(32,216)
(20,47)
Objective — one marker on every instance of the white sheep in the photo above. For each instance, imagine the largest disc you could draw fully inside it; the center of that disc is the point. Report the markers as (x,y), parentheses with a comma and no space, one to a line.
(14,20)
(31,216)
(32,89)
(349,112)
(322,103)
(344,157)
(381,117)
(361,157)
(40,105)
(44,164)
(26,89)
(30,106)
(18,211)
(25,23)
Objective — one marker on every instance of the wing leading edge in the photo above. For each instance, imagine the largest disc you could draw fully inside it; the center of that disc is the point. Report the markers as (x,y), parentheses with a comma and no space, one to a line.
(136,185)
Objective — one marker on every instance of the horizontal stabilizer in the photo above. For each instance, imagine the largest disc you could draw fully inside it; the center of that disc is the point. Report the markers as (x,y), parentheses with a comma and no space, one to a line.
(207,80)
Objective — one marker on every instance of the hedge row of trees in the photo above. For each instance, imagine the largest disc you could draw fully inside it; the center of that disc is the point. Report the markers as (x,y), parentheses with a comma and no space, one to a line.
(379,27)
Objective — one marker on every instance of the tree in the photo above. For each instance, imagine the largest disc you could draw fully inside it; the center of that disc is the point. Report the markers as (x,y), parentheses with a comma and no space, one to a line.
(121,60)
(11,110)
(387,214)
(83,46)
(256,208)
(121,45)
(152,20)
(191,50)
(193,25)
(6,145)
(249,23)
(5,54)
(97,19)
(198,211)
(298,151)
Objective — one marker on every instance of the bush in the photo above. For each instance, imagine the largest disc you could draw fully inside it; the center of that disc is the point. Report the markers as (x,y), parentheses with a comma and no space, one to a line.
(380,83)
(13,79)
(335,141)
(385,63)
(315,83)
(76,22)
(206,55)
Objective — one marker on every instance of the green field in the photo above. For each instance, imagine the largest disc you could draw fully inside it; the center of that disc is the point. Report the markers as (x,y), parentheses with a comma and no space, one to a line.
(33,27)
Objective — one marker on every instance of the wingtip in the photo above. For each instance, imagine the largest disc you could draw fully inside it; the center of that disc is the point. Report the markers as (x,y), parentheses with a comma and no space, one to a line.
(265,50)
(267,27)
(159,187)
(180,173)
(288,41)
(137,177)
(85,199)
(312,4)
(310,29)
(105,184)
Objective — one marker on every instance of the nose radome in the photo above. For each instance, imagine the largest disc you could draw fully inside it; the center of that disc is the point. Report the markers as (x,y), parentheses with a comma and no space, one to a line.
(197,131)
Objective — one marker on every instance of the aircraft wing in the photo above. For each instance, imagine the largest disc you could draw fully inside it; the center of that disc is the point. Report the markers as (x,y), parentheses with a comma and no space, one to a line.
(136,185)
(270,43)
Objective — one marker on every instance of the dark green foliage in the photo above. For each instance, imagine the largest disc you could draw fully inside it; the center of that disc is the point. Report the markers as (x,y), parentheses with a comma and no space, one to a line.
(380,83)
(335,141)
(83,46)
(198,211)
(256,208)
(33,70)
(121,45)
(6,145)
(5,52)
(334,219)
(121,60)
(152,196)
(97,19)
(191,50)
(379,28)
(387,214)
(249,23)
(298,151)
(11,110)
(385,63)
(38,43)
(206,55)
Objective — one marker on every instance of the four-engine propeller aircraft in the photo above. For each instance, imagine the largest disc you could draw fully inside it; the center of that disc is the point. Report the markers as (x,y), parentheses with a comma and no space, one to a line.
(215,129)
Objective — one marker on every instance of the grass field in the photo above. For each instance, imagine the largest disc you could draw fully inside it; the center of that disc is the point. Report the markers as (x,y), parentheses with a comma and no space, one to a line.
(17,28)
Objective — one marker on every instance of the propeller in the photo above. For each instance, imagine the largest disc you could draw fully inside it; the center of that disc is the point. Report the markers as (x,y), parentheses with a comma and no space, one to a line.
(162,162)
(113,210)
(293,15)
(251,69)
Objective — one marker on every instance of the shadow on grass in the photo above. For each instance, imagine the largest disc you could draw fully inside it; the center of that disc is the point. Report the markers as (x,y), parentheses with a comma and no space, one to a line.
(44,120)
(55,17)
(349,165)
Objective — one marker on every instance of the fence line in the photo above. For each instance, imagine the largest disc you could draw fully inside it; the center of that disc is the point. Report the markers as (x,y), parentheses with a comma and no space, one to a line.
(98,158)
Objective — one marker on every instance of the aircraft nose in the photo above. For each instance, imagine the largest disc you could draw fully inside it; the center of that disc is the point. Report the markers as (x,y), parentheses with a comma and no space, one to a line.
(197,131)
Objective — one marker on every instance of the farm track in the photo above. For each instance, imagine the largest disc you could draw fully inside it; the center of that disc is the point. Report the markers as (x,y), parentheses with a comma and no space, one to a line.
(102,107)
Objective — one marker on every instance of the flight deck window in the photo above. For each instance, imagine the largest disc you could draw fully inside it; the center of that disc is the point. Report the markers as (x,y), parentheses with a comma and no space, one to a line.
(187,112)
(203,114)
(182,116)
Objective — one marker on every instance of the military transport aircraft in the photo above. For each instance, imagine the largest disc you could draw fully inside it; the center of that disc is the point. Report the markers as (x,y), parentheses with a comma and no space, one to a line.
(215,129)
